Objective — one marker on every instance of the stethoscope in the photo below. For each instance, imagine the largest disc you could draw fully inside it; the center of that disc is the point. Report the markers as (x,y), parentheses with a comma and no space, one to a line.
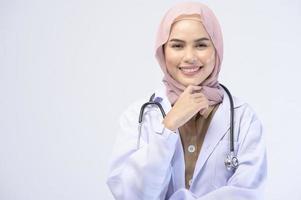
(231,160)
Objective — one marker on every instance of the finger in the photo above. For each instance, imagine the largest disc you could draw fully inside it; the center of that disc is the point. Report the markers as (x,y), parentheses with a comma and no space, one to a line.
(197,95)
(198,100)
(196,87)
(201,99)
(193,88)
(189,88)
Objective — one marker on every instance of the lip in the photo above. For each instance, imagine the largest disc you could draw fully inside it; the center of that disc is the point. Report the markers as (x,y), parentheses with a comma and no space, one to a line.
(190,70)
(192,66)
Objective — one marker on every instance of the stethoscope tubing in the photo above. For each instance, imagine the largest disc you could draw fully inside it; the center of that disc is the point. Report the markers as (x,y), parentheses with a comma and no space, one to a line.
(231,160)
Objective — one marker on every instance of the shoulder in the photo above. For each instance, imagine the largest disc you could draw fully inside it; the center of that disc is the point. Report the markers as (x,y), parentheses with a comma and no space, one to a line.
(244,110)
(246,121)
(244,114)
(132,111)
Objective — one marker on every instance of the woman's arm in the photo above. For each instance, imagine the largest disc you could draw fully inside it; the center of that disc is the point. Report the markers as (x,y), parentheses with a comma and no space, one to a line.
(142,173)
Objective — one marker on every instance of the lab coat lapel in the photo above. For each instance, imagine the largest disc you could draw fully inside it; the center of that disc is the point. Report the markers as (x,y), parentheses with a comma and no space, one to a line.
(218,127)
(178,162)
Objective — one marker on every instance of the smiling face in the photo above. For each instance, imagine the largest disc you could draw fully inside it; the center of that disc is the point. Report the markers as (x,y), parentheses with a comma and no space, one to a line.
(189,52)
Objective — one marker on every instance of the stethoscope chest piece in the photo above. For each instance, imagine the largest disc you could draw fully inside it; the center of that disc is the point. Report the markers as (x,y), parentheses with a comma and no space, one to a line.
(231,161)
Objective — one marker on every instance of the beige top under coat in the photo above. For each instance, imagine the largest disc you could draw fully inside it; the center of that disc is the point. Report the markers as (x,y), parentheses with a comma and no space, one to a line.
(192,136)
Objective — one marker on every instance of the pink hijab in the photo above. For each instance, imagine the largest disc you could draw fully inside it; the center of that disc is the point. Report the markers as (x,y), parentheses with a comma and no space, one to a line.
(210,87)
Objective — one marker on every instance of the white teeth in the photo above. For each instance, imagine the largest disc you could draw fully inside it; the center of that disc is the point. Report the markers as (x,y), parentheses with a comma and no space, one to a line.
(189,70)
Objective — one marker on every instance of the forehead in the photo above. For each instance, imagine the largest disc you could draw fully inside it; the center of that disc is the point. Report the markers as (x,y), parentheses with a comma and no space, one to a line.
(188,28)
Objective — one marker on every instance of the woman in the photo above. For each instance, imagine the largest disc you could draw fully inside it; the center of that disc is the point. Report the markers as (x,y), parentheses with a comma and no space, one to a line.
(182,155)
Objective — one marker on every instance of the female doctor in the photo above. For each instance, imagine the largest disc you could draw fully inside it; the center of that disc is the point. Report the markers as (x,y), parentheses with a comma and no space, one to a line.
(182,155)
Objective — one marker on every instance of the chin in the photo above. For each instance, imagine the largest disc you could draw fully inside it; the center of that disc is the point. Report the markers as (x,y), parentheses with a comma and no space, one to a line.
(192,82)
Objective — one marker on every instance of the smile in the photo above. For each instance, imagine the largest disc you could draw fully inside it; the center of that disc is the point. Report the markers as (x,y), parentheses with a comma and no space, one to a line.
(190,70)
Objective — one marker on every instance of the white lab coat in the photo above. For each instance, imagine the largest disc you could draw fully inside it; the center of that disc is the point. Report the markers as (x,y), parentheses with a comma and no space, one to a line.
(156,170)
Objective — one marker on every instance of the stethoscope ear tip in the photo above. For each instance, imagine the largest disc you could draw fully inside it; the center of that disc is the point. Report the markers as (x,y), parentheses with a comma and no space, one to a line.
(158,100)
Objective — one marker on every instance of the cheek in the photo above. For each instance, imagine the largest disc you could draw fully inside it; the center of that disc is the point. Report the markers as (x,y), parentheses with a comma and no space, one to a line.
(211,60)
(209,57)
(172,59)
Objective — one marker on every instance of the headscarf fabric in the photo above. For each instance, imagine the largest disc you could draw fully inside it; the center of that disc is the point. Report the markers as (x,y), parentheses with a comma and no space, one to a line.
(210,87)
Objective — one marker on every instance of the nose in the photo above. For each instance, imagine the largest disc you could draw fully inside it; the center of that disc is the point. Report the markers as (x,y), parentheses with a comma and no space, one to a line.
(190,56)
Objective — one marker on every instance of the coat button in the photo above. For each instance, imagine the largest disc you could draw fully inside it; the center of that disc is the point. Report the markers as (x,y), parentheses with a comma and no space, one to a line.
(190,182)
(191,148)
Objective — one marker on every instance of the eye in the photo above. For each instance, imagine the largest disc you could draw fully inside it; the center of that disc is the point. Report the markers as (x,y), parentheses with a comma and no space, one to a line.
(176,46)
(201,45)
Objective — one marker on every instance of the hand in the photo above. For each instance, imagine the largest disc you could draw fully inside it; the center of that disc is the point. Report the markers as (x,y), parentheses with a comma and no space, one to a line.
(188,104)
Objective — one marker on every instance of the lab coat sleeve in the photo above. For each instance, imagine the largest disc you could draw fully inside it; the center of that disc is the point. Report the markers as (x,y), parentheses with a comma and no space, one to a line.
(142,173)
(247,182)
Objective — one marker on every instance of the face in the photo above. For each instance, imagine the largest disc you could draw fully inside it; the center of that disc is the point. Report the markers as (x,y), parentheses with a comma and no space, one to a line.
(189,52)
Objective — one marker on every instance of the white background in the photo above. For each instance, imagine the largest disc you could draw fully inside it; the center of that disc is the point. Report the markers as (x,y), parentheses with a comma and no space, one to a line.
(69,68)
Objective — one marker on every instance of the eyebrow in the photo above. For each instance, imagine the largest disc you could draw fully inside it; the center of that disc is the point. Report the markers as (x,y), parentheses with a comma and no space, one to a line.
(197,40)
